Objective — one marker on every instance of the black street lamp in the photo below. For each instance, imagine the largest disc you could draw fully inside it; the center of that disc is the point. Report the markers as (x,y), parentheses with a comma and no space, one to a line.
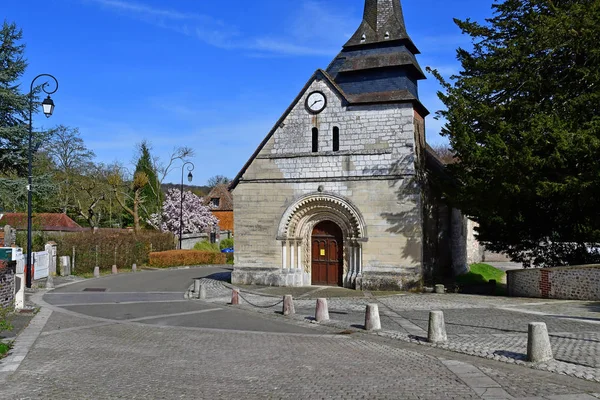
(48,108)
(190,177)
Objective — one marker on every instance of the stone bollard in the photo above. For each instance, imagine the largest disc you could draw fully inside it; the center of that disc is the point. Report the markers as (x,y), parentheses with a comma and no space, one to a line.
(202,292)
(437,327)
(372,321)
(50,282)
(538,343)
(321,312)
(96,272)
(65,266)
(134,268)
(288,305)
(235,297)
(114,269)
(196,287)
(440,289)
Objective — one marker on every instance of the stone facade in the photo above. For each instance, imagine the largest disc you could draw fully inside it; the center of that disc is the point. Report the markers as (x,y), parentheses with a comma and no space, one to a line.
(569,283)
(373,173)
(358,163)
(7,285)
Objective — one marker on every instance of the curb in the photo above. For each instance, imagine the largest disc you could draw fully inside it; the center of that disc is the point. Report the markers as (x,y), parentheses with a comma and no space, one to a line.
(552,367)
(24,342)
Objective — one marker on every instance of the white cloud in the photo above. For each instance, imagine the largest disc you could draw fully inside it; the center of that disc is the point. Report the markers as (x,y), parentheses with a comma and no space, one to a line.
(304,35)
(138,9)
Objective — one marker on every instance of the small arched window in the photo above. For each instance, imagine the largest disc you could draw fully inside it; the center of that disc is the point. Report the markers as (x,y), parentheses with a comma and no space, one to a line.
(336,138)
(315,140)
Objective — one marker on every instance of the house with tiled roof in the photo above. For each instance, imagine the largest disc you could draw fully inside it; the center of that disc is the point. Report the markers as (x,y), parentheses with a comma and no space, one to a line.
(220,202)
(47,222)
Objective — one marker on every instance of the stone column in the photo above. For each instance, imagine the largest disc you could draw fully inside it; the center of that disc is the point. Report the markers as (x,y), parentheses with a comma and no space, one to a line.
(351,270)
(292,255)
(7,236)
(51,249)
(359,260)
(299,247)
(358,280)
(284,254)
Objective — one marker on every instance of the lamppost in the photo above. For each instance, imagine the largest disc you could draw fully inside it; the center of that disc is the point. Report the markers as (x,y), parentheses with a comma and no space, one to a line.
(190,177)
(48,108)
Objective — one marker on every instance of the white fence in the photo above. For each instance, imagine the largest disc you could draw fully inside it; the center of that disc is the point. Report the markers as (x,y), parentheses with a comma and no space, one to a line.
(41,261)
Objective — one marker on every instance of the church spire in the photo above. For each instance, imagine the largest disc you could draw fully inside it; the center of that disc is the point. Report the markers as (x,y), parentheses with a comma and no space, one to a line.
(383,21)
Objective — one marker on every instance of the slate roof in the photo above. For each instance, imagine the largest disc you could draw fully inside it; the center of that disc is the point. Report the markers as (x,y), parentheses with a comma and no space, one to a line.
(383,21)
(43,221)
(222,193)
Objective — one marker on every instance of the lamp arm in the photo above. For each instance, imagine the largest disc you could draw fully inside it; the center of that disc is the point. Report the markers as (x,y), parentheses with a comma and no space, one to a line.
(48,92)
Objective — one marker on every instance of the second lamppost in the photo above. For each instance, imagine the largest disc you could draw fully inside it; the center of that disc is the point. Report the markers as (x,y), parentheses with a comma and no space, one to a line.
(190,168)
(48,108)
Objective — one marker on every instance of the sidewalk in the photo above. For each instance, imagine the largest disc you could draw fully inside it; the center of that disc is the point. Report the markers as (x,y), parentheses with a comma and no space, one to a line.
(484,326)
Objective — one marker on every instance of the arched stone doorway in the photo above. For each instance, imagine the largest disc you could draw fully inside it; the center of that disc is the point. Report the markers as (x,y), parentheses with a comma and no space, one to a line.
(327,254)
(296,230)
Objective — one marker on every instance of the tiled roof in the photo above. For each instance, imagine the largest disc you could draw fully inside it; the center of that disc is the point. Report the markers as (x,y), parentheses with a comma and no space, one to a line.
(43,221)
(225,220)
(222,193)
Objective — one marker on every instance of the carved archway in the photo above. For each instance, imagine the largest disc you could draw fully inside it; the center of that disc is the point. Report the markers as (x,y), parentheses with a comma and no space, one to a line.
(298,222)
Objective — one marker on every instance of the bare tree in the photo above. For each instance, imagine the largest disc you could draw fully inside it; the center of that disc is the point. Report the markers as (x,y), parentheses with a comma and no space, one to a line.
(71,158)
(133,190)
(217,180)
(445,153)
(163,169)
(92,189)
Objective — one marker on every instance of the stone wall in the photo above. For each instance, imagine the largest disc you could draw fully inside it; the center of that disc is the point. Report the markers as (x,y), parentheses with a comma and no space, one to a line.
(7,285)
(374,170)
(569,283)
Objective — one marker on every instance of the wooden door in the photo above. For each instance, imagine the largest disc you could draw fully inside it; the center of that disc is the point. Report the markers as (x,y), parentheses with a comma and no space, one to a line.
(327,254)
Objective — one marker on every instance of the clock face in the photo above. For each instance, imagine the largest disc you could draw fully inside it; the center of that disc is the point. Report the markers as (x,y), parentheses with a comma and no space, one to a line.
(316,102)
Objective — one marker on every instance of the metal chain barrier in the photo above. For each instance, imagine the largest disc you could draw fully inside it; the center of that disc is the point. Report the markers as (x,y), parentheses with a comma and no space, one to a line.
(256,305)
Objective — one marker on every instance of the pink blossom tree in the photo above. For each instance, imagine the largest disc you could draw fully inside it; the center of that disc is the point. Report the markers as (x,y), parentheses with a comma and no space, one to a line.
(196,216)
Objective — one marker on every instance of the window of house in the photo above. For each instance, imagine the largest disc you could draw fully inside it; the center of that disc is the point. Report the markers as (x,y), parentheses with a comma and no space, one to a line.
(336,138)
(315,140)
(214,202)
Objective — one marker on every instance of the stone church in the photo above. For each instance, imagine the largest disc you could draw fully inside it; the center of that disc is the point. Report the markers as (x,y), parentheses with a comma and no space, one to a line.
(337,193)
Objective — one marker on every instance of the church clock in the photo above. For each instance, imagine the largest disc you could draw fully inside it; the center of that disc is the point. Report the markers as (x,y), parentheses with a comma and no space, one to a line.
(316,102)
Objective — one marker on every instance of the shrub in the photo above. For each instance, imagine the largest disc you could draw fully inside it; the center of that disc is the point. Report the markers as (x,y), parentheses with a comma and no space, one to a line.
(207,246)
(111,246)
(226,243)
(179,258)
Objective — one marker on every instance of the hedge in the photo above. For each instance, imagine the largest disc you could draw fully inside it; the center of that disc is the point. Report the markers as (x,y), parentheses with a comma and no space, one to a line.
(108,246)
(180,258)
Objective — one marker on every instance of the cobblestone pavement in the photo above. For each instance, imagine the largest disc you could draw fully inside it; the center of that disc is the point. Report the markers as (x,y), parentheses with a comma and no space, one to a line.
(490,327)
(128,344)
(77,357)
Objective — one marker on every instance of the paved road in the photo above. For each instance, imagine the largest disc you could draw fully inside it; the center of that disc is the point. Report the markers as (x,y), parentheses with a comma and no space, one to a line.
(140,340)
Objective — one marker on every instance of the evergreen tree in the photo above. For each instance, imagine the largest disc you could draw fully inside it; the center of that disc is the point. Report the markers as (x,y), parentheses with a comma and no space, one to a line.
(14,108)
(151,195)
(523,118)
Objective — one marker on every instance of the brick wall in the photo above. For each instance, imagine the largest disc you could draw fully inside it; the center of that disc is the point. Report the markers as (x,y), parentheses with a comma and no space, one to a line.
(569,283)
(7,285)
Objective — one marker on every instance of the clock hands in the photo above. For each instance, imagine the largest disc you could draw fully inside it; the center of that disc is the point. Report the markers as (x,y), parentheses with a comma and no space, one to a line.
(316,101)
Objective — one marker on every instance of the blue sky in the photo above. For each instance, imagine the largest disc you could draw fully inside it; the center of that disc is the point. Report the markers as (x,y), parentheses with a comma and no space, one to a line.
(211,75)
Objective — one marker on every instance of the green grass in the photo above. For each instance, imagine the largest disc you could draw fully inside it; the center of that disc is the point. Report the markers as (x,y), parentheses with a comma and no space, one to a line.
(481,273)
(4,348)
